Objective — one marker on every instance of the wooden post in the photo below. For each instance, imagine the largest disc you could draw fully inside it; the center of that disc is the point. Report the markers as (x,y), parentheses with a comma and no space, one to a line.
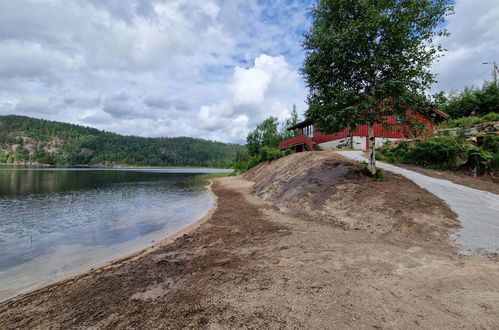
(372,149)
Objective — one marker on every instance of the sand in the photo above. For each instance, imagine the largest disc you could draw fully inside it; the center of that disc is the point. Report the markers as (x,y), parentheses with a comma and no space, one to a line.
(360,257)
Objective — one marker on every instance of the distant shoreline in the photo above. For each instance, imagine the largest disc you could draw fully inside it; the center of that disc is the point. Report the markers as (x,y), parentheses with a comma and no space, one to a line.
(117,167)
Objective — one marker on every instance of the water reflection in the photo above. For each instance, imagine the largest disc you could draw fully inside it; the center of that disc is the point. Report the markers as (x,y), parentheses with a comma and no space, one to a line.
(63,214)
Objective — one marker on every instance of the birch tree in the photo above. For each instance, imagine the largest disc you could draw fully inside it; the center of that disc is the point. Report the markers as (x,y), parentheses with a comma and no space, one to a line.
(369,59)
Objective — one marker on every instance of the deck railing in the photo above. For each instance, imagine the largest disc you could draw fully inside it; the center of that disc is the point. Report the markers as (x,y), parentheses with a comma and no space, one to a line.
(297,140)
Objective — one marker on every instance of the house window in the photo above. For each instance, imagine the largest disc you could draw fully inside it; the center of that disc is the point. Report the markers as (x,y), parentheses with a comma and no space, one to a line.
(309,131)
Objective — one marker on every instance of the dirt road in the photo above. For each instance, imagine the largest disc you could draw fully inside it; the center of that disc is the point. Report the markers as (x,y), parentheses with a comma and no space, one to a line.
(253,266)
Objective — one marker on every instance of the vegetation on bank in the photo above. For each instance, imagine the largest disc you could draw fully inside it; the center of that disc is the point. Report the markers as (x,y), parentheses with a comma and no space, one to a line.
(471,121)
(478,155)
(446,153)
(471,101)
(25,140)
(262,143)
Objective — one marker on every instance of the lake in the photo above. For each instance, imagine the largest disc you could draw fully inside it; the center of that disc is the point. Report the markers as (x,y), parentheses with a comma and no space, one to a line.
(55,223)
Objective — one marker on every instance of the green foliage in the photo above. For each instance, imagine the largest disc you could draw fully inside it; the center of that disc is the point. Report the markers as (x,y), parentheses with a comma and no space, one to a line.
(379,175)
(450,153)
(266,134)
(491,143)
(269,154)
(480,101)
(492,116)
(438,152)
(480,161)
(289,122)
(261,143)
(395,154)
(66,144)
(467,122)
(368,59)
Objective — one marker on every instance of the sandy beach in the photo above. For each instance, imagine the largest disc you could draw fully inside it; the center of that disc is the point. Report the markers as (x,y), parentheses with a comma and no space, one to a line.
(305,242)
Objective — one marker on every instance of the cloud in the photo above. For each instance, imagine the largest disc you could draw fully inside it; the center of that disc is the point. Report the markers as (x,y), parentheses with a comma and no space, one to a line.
(205,68)
(474,28)
(152,67)
(267,88)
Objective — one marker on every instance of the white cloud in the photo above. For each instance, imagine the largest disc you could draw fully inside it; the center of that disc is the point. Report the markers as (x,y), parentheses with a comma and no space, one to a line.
(204,68)
(474,28)
(268,88)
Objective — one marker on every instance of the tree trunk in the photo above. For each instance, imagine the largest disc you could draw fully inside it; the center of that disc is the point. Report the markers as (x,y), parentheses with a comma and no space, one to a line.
(372,149)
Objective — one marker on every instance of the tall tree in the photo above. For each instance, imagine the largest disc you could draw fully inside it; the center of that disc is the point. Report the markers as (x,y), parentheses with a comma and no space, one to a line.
(265,134)
(369,59)
(292,120)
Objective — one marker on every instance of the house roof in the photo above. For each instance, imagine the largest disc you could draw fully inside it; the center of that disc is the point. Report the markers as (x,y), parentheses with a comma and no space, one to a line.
(438,112)
(300,125)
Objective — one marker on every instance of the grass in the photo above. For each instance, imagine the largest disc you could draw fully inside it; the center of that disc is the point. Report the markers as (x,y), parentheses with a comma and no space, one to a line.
(468,122)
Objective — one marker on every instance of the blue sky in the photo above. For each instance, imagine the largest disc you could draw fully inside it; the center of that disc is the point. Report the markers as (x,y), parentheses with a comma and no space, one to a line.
(210,69)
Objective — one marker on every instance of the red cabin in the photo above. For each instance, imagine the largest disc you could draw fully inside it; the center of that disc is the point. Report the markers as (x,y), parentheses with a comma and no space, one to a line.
(307,138)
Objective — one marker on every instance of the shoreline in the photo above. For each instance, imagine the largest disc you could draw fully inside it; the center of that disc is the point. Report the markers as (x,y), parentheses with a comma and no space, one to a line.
(126,258)
(255,261)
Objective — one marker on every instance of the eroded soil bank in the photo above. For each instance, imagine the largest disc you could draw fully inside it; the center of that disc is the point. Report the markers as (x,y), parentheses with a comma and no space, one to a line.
(311,244)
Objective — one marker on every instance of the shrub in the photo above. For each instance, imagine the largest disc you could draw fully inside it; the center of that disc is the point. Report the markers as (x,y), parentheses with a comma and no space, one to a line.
(269,154)
(395,154)
(467,122)
(463,122)
(480,100)
(443,152)
(379,175)
(491,143)
(493,116)
(450,153)
(495,162)
(480,161)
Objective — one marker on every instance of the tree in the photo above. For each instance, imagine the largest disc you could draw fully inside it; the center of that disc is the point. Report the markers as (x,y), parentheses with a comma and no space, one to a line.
(289,122)
(479,101)
(266,134)
(369,59)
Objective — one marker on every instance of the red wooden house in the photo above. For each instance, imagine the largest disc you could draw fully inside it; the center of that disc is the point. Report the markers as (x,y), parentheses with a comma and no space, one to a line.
(308,138)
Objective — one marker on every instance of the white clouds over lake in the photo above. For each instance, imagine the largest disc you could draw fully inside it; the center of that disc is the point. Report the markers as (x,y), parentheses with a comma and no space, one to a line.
(210,69)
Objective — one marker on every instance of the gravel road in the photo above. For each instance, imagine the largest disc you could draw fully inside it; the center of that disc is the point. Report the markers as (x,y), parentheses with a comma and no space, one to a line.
(477,210)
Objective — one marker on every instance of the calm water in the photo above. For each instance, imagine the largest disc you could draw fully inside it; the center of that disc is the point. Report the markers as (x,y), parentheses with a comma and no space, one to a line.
(58,222)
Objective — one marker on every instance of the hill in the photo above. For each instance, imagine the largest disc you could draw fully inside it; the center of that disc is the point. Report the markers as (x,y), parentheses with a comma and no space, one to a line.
(30,141)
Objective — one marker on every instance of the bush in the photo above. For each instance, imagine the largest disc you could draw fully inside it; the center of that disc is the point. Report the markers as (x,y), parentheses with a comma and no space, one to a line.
(395,154)
(493,116)
(479,100)
(269,154)
(379,175)
(467,122)
(463,122)
(445,153)
(491,143)
(495,162)
(451,153)
(480,161)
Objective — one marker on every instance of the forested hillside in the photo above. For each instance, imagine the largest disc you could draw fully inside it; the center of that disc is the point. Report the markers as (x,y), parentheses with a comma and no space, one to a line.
(25,140)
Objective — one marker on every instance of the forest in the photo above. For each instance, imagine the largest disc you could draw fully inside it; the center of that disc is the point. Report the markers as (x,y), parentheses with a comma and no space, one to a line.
(25,140)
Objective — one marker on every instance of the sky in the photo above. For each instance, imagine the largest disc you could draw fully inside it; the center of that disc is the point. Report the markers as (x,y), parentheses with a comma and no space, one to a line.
(211,69)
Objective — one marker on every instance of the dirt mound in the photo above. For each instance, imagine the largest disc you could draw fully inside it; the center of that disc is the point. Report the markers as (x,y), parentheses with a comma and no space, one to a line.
(327,188)
(302,180)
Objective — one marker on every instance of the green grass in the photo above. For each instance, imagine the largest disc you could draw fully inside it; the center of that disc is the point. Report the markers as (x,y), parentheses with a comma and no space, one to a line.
(468,122)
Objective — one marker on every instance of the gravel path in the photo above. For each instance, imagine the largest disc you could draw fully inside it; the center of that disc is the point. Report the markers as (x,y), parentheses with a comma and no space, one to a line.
(477,210)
